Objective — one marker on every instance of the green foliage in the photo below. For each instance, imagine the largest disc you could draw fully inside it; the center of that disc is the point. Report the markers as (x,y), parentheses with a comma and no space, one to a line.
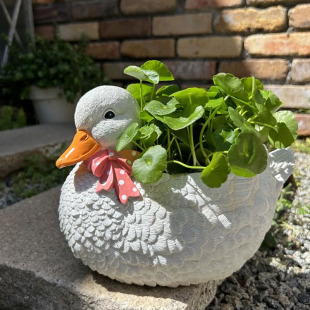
(50,64)
(39,175)
(302,146)
(215,131)
(283,204)
(148,168)
(11,118)
(217,171)
(247,156)
(284,207)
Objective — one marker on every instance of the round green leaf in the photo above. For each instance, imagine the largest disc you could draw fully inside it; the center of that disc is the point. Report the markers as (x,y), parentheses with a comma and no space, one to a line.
(193,96)
(214,103)
(148,134)
(216,173)
(143,115)
(231,85)
(249,86)
(155,107)
(127,136)
(264,116)
(162,70)
(248,156)
(136,72)
(240,122)
(167,90)
(288,118)
(281,137)
(134,89)
(272,102)
(177,121)
(152,75)
(149,167)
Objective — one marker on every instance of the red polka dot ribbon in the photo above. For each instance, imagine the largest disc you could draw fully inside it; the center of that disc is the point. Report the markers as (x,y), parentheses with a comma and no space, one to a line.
(114,170)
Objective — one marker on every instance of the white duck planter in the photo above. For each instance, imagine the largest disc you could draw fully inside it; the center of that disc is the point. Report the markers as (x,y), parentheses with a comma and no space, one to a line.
(179,232)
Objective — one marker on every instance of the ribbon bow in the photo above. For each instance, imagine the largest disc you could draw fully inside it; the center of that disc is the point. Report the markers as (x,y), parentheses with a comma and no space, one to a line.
(114,170)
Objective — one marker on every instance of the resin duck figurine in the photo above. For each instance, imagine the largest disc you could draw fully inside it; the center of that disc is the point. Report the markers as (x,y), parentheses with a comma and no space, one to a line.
(178,231)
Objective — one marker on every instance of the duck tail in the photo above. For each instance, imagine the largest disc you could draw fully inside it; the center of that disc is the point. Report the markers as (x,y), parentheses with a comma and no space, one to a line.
(282,164)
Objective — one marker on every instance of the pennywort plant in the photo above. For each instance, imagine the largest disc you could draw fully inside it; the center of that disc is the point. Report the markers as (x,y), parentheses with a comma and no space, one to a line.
(227,128)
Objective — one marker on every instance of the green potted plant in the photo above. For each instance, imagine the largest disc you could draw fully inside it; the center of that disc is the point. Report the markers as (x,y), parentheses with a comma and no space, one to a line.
(53,74)
(207,170)
(228,128)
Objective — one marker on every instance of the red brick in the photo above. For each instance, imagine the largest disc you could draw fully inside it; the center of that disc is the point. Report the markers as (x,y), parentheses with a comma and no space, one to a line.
(213,47)
(115,70)
(299,16)
(297,43)
(251,19)
(303,124)
(157,48)
(301,70)
(42,1)
(94,9)
(191,70)
(73,32)
(272,2)
(292,96)
(45,32)
(266,69)
(137,7)
(103,50)
(206,4)
(182,24)
(50,14)
(125,28)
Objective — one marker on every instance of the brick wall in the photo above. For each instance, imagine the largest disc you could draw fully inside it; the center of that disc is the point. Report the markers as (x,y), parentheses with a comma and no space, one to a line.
(269,39)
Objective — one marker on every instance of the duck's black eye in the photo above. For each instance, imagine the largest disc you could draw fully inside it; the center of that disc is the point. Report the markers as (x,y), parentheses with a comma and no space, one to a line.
(109,115)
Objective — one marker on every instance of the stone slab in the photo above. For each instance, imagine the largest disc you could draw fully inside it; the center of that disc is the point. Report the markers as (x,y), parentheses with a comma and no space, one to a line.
(17,144)
(38,270)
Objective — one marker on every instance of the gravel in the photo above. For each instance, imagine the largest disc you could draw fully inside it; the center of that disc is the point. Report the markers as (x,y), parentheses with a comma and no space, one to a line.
(7,195)
(276,278)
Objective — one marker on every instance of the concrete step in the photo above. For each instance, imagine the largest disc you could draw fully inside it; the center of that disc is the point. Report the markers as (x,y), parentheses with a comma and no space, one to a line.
(39,272)
(17,144)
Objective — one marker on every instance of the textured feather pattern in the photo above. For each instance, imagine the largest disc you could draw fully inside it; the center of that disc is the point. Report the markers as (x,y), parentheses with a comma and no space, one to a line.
(179,232)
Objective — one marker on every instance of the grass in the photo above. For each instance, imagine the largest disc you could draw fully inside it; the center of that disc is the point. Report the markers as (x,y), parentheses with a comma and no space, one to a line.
(301,146)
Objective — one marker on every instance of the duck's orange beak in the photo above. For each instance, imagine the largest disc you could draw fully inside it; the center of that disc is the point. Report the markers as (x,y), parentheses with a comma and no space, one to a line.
(82,147)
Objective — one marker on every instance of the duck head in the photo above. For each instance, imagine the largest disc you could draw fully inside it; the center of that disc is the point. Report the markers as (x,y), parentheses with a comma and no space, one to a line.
(101,117)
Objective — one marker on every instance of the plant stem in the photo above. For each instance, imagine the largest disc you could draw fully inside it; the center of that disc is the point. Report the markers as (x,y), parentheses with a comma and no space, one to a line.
(173,138)
(141,96)
(262,124)
(153,92)
(178,146)
(205,126)
(169,142)
(138,145)
(192,146)
(252,118)
(184,165)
